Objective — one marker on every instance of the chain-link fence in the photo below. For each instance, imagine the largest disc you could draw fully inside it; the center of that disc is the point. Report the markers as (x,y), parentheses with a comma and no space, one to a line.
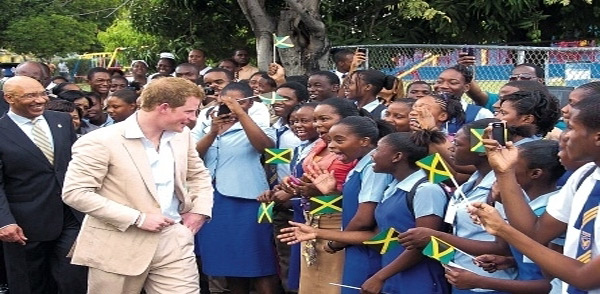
(564,67)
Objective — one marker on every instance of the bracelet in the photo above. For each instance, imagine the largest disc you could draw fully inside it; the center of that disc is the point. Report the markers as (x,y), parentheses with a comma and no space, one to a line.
(330,245)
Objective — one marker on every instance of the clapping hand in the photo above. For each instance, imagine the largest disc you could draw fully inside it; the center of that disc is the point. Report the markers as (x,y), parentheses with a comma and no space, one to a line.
(323,180)
(297,233)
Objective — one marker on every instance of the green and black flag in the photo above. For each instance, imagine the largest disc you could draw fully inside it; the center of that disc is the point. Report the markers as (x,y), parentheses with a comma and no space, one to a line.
(265,213)
(384,241)
(326,204)
(435,167)
(477,140)
(271,98)
(277,156)
(439,250)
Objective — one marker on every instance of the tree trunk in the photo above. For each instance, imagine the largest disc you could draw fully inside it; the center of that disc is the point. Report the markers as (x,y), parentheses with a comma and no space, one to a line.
(263,27)
(301,21)
(311,37)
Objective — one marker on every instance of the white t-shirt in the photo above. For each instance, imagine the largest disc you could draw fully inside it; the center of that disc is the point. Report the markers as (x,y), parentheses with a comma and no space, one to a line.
(566,207)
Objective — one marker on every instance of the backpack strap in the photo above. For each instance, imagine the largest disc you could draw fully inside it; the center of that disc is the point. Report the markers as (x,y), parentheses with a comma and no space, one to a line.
(585,176)
(471,112)
(410,198)
(376,113)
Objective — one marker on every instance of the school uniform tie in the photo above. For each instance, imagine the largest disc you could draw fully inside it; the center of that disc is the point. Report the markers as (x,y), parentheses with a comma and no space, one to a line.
(40,139)
(585,222)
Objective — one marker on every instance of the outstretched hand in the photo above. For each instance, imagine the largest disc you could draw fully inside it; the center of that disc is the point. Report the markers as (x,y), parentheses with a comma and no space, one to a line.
(461,279)
(492,262)
(486,215)
(276,72)
(357,60)
(501,158)
(323,180)
(297,233)
(415,238)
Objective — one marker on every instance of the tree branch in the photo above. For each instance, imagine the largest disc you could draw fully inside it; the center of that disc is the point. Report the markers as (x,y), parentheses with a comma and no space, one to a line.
(308,12)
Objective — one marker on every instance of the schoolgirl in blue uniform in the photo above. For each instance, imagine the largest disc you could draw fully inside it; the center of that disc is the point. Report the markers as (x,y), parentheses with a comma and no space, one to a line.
(456,81)
(355,138)
(403,271)
(301,122)
(467,236)
(538,168)
(233,244)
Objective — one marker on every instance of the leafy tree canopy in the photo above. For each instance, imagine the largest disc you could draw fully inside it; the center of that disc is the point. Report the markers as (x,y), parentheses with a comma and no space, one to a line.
(63,35)
(69,24)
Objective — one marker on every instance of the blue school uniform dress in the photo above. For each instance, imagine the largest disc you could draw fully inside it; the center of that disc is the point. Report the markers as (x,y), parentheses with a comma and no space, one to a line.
(300,152)
(393,212)
(362,185)
(465,228)
(233,243)
(527,269)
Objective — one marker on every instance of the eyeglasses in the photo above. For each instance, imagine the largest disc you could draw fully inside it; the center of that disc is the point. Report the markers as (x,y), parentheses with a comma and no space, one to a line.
(34,95)
(522,77)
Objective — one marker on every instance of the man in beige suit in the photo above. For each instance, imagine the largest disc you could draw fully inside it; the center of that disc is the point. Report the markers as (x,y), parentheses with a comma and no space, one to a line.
(145,193)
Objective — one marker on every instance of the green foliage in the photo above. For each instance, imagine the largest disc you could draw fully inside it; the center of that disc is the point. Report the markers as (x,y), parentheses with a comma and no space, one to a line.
(49,35)
(459,21)
(134,44)
(217,26)
(78,17)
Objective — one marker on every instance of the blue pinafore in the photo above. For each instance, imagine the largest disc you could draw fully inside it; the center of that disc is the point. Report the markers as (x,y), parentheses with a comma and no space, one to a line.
(425,277)
(293,282)
(360,261)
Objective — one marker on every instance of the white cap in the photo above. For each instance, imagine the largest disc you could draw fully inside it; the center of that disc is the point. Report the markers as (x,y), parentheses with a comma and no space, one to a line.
(133,62)
(167,55)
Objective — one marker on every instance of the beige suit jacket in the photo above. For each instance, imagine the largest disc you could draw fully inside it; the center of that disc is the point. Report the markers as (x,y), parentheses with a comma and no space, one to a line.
(110,180)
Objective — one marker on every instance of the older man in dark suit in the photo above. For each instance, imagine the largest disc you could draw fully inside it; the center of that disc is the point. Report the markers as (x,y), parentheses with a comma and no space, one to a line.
(36,227)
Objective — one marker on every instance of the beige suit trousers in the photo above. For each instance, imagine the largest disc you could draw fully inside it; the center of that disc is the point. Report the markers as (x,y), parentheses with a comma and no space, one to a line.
(173,269)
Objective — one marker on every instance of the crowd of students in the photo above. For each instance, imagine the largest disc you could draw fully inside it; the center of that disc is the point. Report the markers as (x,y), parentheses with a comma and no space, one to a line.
(360,138)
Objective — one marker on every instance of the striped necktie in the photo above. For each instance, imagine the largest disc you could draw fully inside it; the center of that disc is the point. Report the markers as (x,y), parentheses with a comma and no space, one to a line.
(40,138)
(585,223)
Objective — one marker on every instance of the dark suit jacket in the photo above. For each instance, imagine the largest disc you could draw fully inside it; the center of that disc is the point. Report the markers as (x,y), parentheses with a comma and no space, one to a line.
(30,187)
(3,104)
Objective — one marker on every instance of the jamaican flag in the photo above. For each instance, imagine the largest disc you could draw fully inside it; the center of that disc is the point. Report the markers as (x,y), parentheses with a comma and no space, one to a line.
(439,250)
(326,204)
(435,167)
(277,156)
(282,42)
(384,241)
(477,140)
(270,98)
(265,213)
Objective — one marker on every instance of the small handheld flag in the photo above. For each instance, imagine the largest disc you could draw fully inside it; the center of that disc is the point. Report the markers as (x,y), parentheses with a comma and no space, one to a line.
(435,167)
(271,98)
(477,140)
(384,240)
(278,156)
(439,250)
(282,42)
(327,204)
(265,213)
